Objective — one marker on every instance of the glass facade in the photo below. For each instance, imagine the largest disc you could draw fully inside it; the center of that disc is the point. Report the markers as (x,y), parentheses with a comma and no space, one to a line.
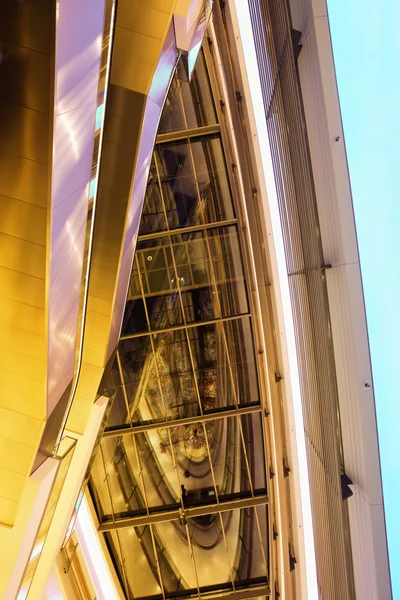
(179,482)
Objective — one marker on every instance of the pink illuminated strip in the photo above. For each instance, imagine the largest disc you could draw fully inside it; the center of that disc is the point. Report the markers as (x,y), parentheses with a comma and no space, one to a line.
(288,339)
(93,554)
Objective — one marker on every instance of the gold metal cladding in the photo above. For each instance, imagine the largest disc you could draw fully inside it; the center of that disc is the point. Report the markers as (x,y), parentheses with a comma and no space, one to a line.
(25,146)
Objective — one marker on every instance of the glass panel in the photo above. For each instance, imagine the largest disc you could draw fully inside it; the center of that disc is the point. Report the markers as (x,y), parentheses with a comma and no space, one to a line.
(99,489)
(141,379)
(178,184)
(214,378)
(118,414)
(112,542)
(240,344)
(191,445)
(162,490)
(251,558)
(153,217)
(197,97)
(252,453)
(179,280)
(228,270)
(172,118)
(179,574)
(176,374)
(198,197)
(243,558)
(123,486)
(135,320)
(159,282)
(138,558)
(195,277)
(198,105)
(214,189)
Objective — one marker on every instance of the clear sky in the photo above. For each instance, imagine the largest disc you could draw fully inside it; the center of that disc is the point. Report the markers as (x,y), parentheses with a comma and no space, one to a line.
(366,42)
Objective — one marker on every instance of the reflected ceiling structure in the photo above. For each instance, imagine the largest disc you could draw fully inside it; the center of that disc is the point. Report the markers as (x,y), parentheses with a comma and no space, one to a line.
(179,480)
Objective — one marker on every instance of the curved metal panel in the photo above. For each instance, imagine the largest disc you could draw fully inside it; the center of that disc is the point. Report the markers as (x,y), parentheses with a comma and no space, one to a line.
(77,67)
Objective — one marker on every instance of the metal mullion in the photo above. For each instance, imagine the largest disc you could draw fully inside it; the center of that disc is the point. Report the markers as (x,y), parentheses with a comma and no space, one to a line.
(188,288)
(140,252)
(245,456)
(131,336)
(141,474)
(192,161)
(189,511)
(233,412)
(230,367)
(124,576)
(272,489)
(258,591)
(169,235)
(153,348)
(180,293)
(221,318)
(188,229)
(107,484)
(188,132)
(210,461)
(121,374)
(157,561)
(261,375)
(261,372)
(192,559)
(237,194)
(227,551)
(266,563)
(175,465)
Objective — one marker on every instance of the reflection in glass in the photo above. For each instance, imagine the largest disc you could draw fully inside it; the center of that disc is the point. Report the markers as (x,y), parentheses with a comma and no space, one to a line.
(187,351)
(186,465)
(197,98)
(186,372)
(164,556)
(191,104)
(153,215)
(194,181)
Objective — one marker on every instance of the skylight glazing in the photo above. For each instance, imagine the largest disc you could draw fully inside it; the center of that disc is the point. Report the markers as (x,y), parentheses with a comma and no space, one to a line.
(179,482)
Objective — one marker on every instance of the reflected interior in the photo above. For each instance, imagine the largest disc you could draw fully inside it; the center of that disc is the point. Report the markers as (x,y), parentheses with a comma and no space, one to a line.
(186,363)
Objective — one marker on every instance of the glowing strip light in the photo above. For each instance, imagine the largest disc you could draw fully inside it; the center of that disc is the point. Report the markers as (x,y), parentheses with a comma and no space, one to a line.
(93,554)
(250,60)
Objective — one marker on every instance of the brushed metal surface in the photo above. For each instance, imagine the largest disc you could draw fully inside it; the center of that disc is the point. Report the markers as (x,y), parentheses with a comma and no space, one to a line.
(23,179)
(29,24)
(25,78)
(24,132)
(79,33)
(17,218)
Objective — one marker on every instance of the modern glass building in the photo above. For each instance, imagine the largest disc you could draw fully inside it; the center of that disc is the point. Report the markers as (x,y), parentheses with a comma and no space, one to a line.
(189,407)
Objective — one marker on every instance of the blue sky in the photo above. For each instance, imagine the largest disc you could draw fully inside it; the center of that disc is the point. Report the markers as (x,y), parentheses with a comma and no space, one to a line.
(366,43)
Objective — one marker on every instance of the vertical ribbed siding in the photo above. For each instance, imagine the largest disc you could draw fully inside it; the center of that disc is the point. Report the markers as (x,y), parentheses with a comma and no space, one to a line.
(304,259)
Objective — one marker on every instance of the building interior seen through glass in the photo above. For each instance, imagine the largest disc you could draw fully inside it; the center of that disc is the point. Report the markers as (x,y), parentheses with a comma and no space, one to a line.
(179,481)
